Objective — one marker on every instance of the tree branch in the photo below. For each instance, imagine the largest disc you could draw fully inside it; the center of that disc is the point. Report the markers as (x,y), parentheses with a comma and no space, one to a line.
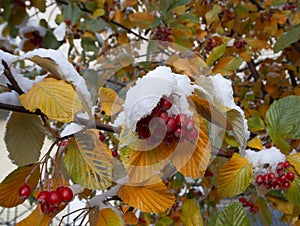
(292,77)
(252,68)
(14,85)
(257,4)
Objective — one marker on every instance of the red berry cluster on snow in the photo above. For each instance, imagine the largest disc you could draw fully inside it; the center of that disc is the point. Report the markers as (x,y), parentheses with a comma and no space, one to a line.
(239,43)
(283,178)
(50,200)
(252,208)
(178,126)
(24,191)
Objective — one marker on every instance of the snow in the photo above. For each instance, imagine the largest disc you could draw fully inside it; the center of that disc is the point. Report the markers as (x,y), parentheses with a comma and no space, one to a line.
(70,129)
(269,156)
(11,98)
(8,58)
(60,32)
(55,62)
(148,90)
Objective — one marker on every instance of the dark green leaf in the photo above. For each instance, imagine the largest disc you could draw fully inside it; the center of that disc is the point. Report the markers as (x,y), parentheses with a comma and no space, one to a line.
(72,12)
(50,42)
(288,38)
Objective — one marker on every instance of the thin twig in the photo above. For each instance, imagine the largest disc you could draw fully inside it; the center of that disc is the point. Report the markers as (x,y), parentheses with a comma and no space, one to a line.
(14,85)
(252,68)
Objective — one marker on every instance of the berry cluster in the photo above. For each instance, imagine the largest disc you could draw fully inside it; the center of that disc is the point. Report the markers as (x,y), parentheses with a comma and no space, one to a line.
(163,34)
(211,44)
(178,126)
(290,6)
(252,208)
(50,200)
(239,43)
(282,180)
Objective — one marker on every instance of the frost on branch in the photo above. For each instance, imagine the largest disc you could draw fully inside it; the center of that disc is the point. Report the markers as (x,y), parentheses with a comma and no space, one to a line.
(267,157)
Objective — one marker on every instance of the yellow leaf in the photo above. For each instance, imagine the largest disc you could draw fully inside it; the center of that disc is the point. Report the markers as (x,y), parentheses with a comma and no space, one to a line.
(255,143)
(142,19)
(191,214)
(37,218)
(89,161)
(130,218)
(294,159)
(110,102)
(149,198)
(208,111)
(143,165)
(40,4)
(9,187)
(235,176)
(55,98)
(108,217)
(127,3)
(98,12)
(192,159)
(282,205)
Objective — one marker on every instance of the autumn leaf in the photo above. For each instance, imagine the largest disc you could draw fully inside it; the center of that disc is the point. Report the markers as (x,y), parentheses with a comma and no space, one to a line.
(55,98)
(29,132)
(109,101)
(104,217)
(191,214)
(88,161)
(193,159)
(37,217)
(208,111)
(235,176)
(293,194)
(282,205)
(141,19)
(294,159)
(148,198)
(216,53)
(9,187)
(130,218)
(255,143)
(227,65)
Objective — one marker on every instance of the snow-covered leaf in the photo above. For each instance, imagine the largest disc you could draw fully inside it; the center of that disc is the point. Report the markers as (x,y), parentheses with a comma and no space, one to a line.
(283,121)
(191,214)
(55,98)
(234,214)
(60,32)
(24,138)
(88,161)
(109,101)
(235,176)
(153,198)
(9,187)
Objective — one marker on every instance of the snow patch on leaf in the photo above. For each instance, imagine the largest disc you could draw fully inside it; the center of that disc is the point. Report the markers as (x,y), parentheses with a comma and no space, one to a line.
(60,32)
(8,58)
(269,156)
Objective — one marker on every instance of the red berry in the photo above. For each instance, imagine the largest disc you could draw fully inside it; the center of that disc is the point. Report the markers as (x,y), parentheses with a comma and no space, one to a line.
(192,135)
(290,176)
(143,133)
(68,22)
(156,111)
(45,208)
(179,132)
(181,119)
(114,153)
(266,179)
(271,177)
(53,209)
(64,143)
(66,193)
(54,198)
(164,116)
(242,200)
(286,185)
(268,145)
(175,218)
(208,174)
(42,197)
(283,179)
(24,191)
(101,136)
(280,172)
(250,204)
(171,124)
(166,103)
(277,187)
(190,124)
(286,164)
(259,179)
(280,166)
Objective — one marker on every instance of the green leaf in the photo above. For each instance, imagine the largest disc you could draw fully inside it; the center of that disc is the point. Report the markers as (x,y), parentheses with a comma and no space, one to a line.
(190,17)
(94,25)
(235,176)
(293,194)
(24,138)
(191,214)
(264,212)
(256,124)
(283,121)
(50,42)
(288,38)
(234,214)
(167,5)
(227,65)
(213,15)
(216,53)
(88,161)
(165,221)
(72,12)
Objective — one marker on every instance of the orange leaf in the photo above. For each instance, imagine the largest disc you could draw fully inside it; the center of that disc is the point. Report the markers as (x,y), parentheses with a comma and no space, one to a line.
(148,198)
(142,19)
(110,102)
(130,218)
(9,188)
(208,111)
